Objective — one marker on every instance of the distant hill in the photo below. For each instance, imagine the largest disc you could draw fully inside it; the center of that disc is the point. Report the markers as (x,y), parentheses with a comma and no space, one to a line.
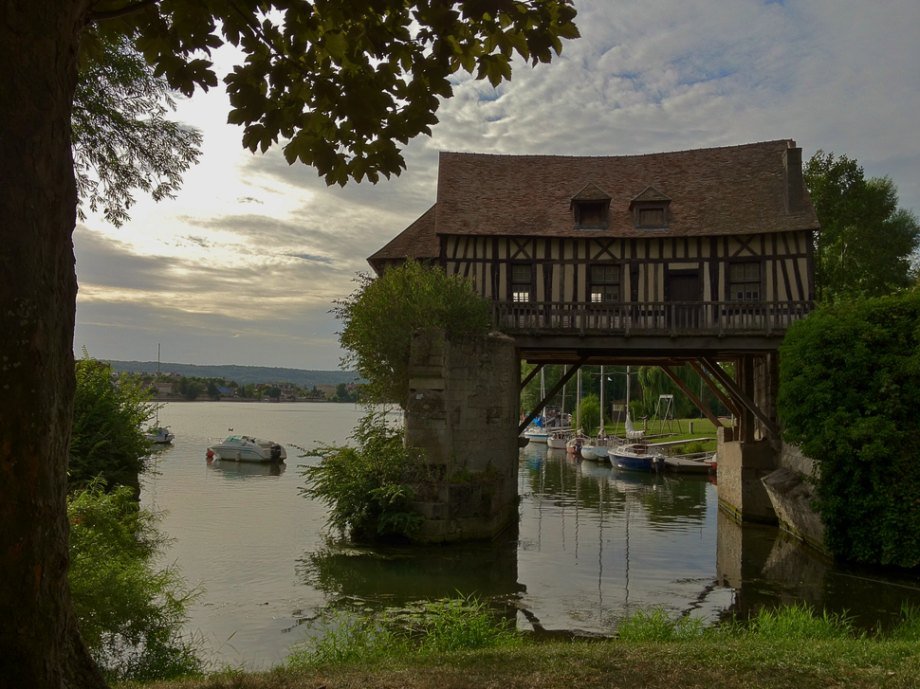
(243,375)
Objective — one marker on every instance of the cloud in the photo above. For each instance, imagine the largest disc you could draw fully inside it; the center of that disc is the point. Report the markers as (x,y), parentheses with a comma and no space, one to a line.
(244,265)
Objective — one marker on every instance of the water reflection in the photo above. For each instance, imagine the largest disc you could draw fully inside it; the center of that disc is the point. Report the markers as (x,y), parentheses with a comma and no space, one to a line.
(236,470)
(766,568)
(595,544)
(398,576)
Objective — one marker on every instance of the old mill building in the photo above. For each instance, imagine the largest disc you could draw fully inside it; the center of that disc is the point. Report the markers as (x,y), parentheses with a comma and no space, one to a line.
(698,257)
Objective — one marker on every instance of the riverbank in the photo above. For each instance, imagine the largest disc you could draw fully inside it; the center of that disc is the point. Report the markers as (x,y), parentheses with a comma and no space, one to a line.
(703,663)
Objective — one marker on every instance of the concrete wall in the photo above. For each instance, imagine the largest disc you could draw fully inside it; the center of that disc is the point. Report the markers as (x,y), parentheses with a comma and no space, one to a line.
(740,468)
(791,492)
(463,412)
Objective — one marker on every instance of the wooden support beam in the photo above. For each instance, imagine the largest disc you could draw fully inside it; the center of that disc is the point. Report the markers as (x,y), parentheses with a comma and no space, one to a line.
(552,393)
(715,389)
(742,397)
(531,375)
(693,398)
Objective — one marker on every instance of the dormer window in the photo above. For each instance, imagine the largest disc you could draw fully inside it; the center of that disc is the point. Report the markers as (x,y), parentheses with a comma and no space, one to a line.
(591,208)
(650,210)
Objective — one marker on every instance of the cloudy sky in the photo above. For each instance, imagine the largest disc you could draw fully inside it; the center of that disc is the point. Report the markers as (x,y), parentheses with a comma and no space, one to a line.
(243,266)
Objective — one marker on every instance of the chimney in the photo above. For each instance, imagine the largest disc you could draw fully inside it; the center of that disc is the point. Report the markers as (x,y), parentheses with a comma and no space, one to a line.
(795,185)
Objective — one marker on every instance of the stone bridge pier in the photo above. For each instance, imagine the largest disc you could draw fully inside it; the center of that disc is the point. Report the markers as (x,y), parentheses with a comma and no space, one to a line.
(463,413)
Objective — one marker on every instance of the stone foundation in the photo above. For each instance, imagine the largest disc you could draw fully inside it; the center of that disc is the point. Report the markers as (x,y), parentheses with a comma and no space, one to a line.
(462,412)
(740,468)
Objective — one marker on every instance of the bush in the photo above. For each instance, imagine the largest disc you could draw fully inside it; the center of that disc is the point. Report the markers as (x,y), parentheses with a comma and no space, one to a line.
(369,488)
(130,615)
(849,395)
(381,316)
(107,439)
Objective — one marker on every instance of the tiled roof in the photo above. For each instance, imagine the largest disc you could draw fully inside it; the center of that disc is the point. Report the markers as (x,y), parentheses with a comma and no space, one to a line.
(416,241)
(714,191)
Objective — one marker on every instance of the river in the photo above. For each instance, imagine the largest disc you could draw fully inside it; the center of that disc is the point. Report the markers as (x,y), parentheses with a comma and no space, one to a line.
(591,546)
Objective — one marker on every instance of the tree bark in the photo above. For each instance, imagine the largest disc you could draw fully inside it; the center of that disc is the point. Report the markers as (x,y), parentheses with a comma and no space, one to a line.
(39,641)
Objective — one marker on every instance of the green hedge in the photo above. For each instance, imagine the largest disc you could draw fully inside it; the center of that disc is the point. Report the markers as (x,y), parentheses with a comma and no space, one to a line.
(850,397)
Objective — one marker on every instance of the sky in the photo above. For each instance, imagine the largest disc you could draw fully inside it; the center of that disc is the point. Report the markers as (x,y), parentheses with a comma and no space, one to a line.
(244,265)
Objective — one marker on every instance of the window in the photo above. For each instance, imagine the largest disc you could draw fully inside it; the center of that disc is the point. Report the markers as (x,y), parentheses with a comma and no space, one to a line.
(591,208)
(604,284)
(744,281)
(591,214)
(651,217)
(650,210)
(521,282)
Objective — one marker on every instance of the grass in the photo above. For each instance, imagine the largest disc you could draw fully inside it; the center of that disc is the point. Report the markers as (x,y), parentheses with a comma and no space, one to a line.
(777,649)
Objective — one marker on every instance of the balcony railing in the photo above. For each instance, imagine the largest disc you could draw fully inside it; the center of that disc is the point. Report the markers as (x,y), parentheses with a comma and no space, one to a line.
(650,318)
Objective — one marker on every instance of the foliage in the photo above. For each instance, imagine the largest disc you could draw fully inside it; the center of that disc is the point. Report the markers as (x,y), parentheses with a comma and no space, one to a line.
(442,626)
(849,395)
(369,488)
(865,244)
(130,615)
(458,624)
(121,139)
(109,418)
(799,622)
(381,316)
(343,84)
(655,625)
(588,414)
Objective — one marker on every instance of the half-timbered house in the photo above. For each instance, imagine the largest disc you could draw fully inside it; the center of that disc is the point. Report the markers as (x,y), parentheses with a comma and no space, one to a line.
(698,257)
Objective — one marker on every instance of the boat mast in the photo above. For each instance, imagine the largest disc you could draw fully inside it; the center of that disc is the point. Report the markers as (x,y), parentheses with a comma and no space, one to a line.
(600,429)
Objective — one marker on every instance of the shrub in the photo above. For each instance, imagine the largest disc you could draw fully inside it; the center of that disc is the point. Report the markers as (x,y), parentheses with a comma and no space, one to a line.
(369,488)
(849,394)
(381,316)
(130,615)
(107,439)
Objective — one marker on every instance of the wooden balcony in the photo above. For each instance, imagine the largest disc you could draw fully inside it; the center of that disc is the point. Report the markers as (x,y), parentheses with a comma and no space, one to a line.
(649,319)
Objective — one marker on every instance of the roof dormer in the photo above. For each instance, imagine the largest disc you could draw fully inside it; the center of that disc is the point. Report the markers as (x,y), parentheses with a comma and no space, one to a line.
(591,208)
(650,210)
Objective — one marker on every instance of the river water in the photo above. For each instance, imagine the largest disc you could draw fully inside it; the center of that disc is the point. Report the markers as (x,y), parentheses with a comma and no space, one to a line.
(592,545)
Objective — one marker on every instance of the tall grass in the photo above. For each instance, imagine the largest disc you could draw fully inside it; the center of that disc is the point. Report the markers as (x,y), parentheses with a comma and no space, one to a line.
(655,625)
(447,625)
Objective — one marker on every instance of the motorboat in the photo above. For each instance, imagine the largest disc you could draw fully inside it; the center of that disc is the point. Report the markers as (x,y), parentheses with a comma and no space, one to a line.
(245,448)
(636,457)
(159,435)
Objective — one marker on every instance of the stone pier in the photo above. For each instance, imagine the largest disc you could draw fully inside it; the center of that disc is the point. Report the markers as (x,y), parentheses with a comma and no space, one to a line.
(463,412)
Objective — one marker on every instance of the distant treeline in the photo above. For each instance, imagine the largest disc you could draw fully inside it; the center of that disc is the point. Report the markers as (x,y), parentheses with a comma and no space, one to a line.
(244,375)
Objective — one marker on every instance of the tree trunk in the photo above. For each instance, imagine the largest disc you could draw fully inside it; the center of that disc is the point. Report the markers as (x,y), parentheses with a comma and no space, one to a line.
(39,642)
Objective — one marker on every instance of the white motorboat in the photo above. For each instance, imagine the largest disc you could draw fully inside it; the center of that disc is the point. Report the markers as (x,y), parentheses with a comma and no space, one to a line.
(595,449)
(159,435)
(245,448)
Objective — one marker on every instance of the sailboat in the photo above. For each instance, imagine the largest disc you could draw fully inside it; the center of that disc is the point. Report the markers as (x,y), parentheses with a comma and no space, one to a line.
(596,448)
(157,434)
(536,432)
(634,454)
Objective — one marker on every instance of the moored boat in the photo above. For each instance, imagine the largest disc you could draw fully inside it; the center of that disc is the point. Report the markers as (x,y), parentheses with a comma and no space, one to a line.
(245,448)
(159,435)
(636,457)
(558,438)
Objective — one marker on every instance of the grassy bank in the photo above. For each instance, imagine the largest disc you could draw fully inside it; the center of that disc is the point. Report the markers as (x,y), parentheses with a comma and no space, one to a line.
(455,647)
(703,664)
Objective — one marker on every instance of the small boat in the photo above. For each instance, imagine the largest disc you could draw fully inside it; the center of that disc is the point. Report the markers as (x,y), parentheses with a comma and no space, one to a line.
(557,439)
(595,449)
(245,448)
(574,444)
(535,433)
(636,457)
(159,435)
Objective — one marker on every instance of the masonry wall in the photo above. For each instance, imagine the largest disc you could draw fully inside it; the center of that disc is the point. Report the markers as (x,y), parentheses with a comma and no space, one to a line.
(463,412)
